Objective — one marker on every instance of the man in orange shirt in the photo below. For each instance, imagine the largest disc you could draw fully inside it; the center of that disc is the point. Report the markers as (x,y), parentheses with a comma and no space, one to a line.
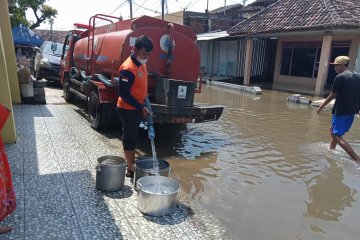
(132,93)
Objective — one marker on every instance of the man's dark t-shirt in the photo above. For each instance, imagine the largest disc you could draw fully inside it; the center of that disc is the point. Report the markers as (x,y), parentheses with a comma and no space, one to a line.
(347,89)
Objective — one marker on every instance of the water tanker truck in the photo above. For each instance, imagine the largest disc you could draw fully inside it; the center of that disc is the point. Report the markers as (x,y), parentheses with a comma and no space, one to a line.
(91,58)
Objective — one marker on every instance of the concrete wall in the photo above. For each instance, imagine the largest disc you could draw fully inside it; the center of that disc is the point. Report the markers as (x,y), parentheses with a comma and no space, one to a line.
(308,82)
(9,51)
(357,62)
(9,86)
(176,17)
(354,50)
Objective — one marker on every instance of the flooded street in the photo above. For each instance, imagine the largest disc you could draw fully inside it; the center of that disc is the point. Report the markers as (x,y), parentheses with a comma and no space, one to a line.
(264,169)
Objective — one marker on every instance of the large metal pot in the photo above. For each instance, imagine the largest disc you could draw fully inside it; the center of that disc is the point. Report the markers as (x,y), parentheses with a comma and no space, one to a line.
(110,174)
(157,195)
(145,167)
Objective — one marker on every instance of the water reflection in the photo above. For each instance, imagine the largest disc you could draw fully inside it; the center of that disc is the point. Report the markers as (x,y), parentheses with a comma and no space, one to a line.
(193,174)
(323,203)
(186,141)
(292,105)
(264,168)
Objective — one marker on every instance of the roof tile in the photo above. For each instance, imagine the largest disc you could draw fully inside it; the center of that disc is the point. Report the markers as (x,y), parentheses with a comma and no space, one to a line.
(295,15)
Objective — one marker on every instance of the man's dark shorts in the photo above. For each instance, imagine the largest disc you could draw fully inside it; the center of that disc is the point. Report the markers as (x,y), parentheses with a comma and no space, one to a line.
(130,127)
(341,124)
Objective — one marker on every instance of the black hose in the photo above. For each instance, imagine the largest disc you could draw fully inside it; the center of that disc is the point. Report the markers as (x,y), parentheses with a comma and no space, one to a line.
(86,79)
(103,79)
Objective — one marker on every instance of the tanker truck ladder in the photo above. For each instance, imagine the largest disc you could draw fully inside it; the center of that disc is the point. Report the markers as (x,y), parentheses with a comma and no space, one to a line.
(170,58)
(90,52)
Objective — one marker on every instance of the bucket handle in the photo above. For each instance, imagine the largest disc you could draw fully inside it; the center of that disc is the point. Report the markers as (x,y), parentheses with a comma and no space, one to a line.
(138,185)
(98,168)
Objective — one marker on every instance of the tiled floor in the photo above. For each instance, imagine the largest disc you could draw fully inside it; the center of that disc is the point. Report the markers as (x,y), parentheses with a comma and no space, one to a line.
(53,165)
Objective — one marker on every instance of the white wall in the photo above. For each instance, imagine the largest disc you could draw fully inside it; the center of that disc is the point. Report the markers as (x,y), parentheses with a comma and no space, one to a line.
(357,63)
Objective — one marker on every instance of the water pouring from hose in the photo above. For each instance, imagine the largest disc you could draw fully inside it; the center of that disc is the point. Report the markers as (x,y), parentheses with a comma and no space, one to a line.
(151,135)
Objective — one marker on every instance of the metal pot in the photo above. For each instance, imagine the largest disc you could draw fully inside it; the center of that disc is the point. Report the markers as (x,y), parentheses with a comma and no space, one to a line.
(144,167)
(110,174)
(157,195)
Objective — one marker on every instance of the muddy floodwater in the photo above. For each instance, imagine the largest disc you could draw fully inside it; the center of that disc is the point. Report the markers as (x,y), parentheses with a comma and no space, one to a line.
(264,169)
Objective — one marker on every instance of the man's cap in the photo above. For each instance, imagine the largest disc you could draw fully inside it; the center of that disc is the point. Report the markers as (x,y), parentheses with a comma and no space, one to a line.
(341,60)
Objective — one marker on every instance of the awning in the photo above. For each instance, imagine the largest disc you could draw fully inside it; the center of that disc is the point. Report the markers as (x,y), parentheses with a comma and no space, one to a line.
(211,35)
(22,35)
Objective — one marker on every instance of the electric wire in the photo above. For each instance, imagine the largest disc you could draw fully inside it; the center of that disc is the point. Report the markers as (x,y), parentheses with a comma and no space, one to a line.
(140,6)
(119,6)
(330,10)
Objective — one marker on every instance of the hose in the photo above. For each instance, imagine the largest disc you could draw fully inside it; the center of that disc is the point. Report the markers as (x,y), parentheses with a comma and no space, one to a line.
(86,79)
(149,117)
(150,120)
(103,79)
(75,73)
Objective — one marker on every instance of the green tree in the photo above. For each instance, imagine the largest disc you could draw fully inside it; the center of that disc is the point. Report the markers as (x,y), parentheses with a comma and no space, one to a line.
(41,11)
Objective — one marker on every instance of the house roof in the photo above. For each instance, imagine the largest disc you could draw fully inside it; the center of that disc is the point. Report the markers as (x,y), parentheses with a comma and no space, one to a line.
(228,7)
(301,15)
(52,35)
(256,5)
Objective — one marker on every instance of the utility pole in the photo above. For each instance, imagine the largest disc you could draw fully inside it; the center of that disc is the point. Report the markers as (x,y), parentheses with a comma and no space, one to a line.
(130,3)
(51,22)
(208,18)
(224,7)
(162,9)
(166,8)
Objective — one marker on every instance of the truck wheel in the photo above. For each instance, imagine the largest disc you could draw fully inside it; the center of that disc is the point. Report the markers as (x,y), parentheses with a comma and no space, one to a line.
(94,109)
(68,96)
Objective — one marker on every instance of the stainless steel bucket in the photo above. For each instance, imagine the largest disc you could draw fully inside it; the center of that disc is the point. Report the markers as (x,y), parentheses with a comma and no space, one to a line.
(110,174)
(157,195)
(145,167)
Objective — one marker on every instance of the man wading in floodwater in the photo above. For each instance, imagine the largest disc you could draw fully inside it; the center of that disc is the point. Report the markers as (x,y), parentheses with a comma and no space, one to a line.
(346,91)
(133,79)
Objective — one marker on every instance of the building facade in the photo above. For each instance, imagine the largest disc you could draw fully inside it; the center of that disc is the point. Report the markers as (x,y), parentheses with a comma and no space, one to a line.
(308,34)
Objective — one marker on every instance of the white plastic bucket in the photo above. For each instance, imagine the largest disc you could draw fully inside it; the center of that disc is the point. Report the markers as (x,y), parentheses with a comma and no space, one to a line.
(27,89)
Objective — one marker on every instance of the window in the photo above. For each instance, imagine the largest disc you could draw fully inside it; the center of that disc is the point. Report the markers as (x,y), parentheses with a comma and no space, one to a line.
(67,44)
(47,49)
(286,61)
(300,59)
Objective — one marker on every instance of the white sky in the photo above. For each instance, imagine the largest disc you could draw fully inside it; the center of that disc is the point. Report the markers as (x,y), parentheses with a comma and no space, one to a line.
(79,11)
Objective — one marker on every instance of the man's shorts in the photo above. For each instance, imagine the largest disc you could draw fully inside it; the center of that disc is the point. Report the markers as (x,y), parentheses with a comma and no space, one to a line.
(341,124)
(130,127)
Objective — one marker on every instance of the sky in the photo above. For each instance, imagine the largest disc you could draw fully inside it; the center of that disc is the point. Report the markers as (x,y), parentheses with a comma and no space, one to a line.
(79,11)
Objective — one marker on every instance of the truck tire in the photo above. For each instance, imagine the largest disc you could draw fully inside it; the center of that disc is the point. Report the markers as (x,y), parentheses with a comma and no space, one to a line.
(94,110)
(68,96)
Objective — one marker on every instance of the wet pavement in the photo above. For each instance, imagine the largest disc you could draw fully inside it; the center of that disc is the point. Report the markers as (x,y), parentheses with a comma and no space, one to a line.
(53,165)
